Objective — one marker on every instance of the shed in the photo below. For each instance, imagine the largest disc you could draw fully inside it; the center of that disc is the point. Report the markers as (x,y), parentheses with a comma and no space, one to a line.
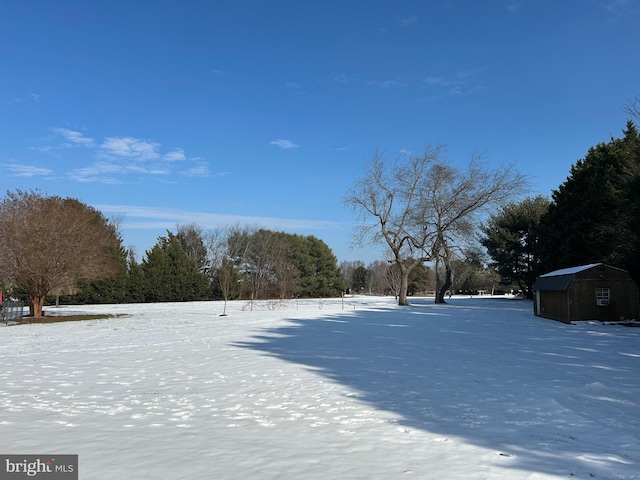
(589,292)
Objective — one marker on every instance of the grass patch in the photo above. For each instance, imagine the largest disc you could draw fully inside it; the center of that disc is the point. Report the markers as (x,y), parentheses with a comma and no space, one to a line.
(71,318)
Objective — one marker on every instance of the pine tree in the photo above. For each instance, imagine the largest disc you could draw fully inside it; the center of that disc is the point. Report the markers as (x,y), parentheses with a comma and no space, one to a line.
(512,238)
(170,276)
(591,217)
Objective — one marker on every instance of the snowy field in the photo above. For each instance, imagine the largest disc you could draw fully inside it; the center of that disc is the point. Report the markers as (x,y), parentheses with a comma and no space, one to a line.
(477,389)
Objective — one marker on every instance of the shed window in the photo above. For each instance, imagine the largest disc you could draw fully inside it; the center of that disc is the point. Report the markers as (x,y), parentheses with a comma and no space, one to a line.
(602,297)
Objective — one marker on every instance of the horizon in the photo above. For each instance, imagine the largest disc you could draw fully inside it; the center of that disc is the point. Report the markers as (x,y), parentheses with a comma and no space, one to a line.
(246,113)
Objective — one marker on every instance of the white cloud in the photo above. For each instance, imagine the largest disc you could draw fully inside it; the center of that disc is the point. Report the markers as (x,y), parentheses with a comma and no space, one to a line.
(197,171)
(282,143)
(408,21)
(168,218)
(118,158)
(34,97)
(622,7)
(395,83)
(442,82)
(465,89)
(74,137)
(460,83)
(175,155)
(292,85)
(17,170)
(513,6)
(102,172)
(130,147)
(343,78)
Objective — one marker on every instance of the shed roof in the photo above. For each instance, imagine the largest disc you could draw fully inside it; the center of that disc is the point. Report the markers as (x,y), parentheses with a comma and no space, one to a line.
(559,280)
(556,282)
(570,271)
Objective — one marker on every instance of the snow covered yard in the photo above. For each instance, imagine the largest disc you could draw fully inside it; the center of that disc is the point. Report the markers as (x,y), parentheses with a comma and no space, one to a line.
(476,389)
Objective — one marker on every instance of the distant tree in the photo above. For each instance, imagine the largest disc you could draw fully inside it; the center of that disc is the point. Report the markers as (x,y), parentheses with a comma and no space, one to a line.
(512,239)
(359,278)
(136,285)
(421,280)
(346,271)
(228,281)
(470,273)
(425,209)
(593,214)
(191,239)
(377,277)
(254,252)
(282,265)
(114,289)
(633,108)
(319,275)
(170,276)
(48,243)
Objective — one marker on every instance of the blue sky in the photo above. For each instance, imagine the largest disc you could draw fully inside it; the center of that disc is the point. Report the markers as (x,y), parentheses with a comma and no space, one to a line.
(264,113)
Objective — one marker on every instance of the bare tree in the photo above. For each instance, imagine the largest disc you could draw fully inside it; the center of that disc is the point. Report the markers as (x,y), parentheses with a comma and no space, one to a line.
(389,195)
(228,281)
(215,241)
(423,208)
(254,250)
(191,239)
(376,277)
(451,201)
(633,108)
(219,265)
(346,272)
(394,279)
(49,243)
(286,275)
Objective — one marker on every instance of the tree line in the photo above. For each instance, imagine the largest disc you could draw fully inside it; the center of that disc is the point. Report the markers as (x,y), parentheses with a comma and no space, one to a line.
(225,264)
(60,250)
(470,276)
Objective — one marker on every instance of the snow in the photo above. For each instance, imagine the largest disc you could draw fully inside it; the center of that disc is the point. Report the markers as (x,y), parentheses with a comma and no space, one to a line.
(318,389)
(571,270)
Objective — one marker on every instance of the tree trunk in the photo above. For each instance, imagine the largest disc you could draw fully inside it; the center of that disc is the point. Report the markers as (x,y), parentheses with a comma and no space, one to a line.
(440,293)
(36,304)
(404,285)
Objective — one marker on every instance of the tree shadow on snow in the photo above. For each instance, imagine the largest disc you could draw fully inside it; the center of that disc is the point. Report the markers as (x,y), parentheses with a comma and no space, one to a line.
(484,370)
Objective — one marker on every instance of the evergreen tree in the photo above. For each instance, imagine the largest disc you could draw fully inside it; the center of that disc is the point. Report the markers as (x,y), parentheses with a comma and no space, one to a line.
(136,285)
(421,280)
(108,290)
(591,218)
(170,276)
(359,278)
(318,267)
(512,238)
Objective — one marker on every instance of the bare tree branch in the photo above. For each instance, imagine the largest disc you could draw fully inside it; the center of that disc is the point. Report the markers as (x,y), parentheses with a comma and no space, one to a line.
(424,209)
